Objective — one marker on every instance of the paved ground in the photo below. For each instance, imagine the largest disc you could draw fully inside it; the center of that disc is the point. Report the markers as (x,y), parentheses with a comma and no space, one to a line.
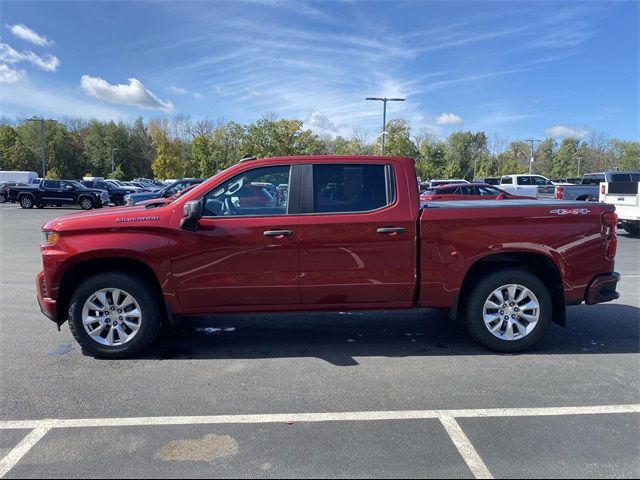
(415,396)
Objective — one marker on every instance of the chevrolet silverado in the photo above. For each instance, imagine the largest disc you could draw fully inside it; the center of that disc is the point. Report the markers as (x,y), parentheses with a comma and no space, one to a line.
(351,234)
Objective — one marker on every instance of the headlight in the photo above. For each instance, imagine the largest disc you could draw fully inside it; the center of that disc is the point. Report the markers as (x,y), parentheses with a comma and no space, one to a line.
(49,238)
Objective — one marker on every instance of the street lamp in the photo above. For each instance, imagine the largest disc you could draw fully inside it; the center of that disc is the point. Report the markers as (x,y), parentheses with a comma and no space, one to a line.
(532,140)
(384,100)
(42,146)
(113,164)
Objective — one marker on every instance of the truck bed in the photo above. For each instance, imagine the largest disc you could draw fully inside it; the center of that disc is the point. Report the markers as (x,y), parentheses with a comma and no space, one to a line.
(454,235)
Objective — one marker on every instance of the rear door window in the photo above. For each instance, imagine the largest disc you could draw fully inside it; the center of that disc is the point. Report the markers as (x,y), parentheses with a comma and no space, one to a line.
(345,188)
(524,180)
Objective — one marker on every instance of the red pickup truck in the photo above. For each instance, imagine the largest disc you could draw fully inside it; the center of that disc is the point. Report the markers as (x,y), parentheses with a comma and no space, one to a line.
(350,234)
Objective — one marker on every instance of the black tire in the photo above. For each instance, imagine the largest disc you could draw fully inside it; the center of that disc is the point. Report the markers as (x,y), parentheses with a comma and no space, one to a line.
(632,229)
(150,305)
(3,198)
(26,201)
(484,286)
(86,203)
(118,200)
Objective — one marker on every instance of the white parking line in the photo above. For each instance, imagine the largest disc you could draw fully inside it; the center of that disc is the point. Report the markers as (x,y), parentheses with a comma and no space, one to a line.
(465,447)
(446,417)
(15,455)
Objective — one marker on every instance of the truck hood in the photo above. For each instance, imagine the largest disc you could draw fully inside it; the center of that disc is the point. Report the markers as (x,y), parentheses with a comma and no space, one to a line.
(117,217)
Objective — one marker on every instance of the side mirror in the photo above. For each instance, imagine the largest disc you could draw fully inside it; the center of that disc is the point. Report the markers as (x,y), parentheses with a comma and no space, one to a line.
(191,213)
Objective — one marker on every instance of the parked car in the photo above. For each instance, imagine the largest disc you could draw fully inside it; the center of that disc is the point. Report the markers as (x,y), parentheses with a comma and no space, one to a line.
(116,193)
(4,189)
(57,193)
(353,237)
(124,185)
(488,180)
(625,195)
(466,191)
(162,200)
(438,182)
(165,192)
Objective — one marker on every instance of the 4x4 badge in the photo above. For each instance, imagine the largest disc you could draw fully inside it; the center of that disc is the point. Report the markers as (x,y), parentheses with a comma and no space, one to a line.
(574,211)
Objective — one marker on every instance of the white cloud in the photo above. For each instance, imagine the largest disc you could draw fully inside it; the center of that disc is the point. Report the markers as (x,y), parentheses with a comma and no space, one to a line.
(197,95)
(48,63)
(134,94)
(319,122)
(9,75)
(564,131)
(25,33)
(448,119)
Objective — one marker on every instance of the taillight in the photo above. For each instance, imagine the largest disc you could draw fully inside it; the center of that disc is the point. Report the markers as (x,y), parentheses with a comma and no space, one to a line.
(610,220)
(559,193)
(603,189)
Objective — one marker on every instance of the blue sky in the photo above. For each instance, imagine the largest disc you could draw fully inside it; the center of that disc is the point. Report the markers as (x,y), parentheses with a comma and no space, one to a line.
(517,69)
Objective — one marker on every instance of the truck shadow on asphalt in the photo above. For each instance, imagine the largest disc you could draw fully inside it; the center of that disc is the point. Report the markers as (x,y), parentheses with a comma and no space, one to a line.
(339,338)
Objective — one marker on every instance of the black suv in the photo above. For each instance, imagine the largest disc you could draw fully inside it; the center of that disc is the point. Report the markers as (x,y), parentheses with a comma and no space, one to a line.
(57,193)
(116,194)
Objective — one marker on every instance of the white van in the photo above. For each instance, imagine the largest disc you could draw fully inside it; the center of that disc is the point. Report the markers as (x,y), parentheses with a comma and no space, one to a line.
(16,176)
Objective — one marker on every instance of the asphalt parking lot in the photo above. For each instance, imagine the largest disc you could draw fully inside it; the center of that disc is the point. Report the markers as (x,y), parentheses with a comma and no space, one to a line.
(401,394)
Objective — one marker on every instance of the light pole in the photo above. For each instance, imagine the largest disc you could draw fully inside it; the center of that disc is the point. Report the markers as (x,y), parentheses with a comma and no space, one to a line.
(384,100)
(113,164)
(579,166)
(532,140)
(42,145)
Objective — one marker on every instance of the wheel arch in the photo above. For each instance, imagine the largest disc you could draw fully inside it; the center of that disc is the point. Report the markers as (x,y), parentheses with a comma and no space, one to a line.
(79,272)
(538,264)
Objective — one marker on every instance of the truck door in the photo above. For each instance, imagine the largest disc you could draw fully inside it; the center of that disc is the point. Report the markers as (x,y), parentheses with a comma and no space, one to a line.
(241,254)
(357,236)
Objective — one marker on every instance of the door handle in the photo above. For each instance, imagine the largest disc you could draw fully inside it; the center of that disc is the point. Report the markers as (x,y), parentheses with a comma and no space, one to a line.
(391,230)
(278,233)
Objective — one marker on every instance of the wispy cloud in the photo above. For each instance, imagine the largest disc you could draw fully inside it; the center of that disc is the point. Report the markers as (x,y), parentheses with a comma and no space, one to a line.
(26,98)
(184,91)
(9,55)
(134,94)
(25,33)
(10,75)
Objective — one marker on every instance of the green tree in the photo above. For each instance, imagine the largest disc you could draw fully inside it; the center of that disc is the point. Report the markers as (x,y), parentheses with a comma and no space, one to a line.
(565,162)
(432,158)
(14,154)
(117,174)
(464,152)
(398,141)
(628,154)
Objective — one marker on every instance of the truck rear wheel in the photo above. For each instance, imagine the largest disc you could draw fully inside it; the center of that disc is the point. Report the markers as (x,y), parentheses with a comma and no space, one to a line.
(118,200)
(86,203)
(114,315)
(508,310)
(26,201)
(3,198)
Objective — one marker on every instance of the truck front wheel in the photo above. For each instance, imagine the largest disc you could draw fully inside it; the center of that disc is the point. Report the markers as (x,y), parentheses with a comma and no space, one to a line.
(114,315)
(508,310)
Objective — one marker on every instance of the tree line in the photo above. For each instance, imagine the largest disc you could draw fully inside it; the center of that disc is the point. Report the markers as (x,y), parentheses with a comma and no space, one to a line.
(183,147)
